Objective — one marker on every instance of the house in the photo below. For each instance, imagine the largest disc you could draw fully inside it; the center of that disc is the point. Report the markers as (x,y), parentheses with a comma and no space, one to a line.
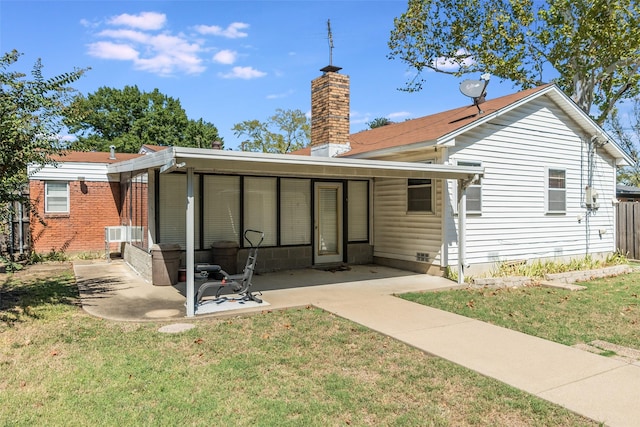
(627,193)
(518,178)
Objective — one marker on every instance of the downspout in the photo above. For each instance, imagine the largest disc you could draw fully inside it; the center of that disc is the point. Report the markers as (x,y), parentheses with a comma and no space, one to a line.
(191,303)
(462,228)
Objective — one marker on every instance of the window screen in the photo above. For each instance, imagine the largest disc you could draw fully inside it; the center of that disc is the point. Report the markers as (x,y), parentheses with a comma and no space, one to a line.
(358,205)
(260,207)
(295,211)
(221,209)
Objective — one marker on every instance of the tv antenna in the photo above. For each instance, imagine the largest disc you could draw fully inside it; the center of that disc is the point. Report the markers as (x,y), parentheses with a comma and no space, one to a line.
(330,42)
(476,89)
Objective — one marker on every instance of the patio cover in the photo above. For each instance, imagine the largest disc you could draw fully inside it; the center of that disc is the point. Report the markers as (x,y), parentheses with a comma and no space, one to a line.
(194,160)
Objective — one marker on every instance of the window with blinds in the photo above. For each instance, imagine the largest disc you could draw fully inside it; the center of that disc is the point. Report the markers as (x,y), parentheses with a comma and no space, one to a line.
(295,211)
(260,207)
(221,209)
(358,206)
(556,190)
(56,197)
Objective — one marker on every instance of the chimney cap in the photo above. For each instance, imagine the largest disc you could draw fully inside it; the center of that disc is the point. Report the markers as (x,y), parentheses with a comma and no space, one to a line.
(330,69)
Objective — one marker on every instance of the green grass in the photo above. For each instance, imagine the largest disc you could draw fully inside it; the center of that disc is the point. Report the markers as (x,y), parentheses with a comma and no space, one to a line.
(607,310)
(295,367)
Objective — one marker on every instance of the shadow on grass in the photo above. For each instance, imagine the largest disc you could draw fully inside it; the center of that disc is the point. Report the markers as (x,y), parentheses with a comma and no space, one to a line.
(21,299)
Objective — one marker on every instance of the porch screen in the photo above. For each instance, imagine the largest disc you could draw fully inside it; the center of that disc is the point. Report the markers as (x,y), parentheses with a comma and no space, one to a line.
(260,207)
(295,211)
(358,204)
(221,209)
(173,209)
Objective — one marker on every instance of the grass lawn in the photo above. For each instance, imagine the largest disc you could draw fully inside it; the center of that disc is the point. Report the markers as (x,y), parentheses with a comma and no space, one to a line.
(607,310)
(59,366)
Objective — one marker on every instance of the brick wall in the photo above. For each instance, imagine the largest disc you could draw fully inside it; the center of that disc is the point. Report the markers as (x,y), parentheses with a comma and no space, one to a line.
(92,206)
(330,109)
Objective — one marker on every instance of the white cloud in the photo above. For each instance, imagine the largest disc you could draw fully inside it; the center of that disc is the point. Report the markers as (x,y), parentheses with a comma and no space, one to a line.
(143,21)
(448,64)
(225,56)
(280,95)
(245,73)
(109,50)
(398,115)
(233,31)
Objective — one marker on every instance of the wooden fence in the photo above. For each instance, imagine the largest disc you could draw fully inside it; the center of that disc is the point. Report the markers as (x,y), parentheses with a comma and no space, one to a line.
(628,229)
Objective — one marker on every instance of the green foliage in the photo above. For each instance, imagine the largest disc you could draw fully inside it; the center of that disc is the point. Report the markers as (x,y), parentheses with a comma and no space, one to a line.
(285,131)
(128,118)
(627,134)
(53,255)
(589,47)
(31,112)
(540,268)
(379,122)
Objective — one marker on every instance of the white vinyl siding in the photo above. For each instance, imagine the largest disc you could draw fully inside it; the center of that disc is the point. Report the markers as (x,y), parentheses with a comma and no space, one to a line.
(516,151)
(173,209)
(295,211)
(358,205)
(400,235)
(556,191)
(221,209)
(56,197)
(260,207)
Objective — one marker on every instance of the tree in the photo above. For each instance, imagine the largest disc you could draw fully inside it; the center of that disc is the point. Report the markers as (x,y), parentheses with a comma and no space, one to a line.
(285,131)
(627,133)
(31,112)
(379,122)
(128,118)
(590,47)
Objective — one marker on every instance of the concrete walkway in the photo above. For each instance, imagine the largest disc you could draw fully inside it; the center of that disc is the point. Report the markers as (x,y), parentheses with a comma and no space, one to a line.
(603,389)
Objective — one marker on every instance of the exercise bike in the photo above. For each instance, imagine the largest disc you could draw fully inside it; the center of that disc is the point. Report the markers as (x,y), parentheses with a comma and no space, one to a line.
(225,282)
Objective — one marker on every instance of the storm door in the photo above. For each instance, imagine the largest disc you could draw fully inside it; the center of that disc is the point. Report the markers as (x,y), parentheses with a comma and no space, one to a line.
(328,223)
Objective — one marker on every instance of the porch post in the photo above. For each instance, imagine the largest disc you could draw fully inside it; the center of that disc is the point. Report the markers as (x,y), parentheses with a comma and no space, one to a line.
(191,304)
(462,229)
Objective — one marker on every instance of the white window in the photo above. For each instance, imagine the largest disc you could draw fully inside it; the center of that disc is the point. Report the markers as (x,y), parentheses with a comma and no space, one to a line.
(295,211)
(260,207)
(419,195)
(56,197)
(221,209)
(474,191)
(556,190)
(358,205)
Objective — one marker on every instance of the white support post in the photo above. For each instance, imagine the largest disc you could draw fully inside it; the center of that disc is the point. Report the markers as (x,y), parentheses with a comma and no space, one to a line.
(191,303)
(462,229)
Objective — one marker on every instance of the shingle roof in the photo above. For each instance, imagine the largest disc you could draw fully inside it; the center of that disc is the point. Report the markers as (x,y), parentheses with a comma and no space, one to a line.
(430,128)
(93,157)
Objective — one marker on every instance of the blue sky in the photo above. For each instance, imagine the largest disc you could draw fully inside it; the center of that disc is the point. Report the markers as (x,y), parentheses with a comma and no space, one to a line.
(229,61)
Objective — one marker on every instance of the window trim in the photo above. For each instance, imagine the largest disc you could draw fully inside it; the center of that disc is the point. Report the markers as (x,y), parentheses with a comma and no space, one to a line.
(432,186)
(46,198)
(549,189)
(472,163)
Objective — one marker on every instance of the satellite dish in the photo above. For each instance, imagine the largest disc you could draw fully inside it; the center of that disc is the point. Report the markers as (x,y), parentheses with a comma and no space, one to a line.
(476,89)
(472,88)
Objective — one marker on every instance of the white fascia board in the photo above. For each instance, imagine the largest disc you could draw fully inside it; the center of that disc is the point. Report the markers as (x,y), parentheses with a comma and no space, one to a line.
(153,160)
(391,150)
(239,162)
(69,171)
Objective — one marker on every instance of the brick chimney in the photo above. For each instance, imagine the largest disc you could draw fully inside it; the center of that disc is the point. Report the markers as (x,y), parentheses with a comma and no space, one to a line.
(330,113)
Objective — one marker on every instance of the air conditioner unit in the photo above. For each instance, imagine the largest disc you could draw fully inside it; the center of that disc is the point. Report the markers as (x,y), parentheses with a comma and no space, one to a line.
(115,234)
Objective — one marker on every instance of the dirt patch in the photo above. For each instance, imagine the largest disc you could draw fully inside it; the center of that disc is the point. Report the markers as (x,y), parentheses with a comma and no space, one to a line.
(38,271)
